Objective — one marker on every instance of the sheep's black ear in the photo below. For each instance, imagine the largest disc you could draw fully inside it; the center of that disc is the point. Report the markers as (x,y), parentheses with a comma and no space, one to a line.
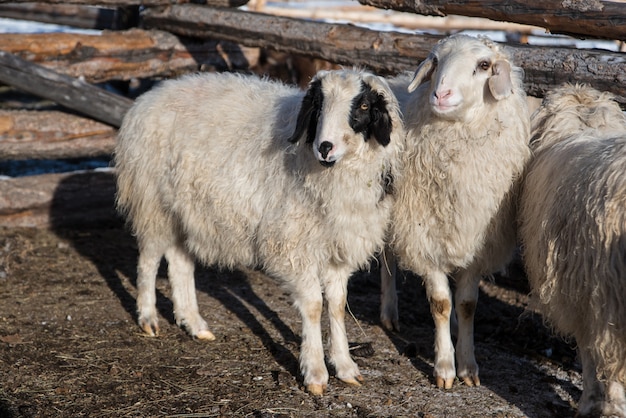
(309,113)
(381,125)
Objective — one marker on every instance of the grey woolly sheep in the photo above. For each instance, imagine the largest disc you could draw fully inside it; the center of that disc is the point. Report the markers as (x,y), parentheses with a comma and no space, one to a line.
(240,171)
(573,231)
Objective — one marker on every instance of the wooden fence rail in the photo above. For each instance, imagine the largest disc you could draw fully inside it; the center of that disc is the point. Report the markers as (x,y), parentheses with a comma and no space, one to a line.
(177,37)
(589,18)
(385,52)
(70,92)
(124,55)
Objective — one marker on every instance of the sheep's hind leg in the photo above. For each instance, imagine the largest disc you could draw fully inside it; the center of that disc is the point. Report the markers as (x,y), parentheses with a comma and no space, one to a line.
(336,291)
(181,274)
(592,401)
(308,300)
(599,398)
(147,267)
(389,317)
(440,299)
(466,298)
(615,399)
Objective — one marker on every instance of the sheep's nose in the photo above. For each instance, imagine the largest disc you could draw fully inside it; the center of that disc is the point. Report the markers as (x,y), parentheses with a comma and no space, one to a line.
(443,94)
(325,148)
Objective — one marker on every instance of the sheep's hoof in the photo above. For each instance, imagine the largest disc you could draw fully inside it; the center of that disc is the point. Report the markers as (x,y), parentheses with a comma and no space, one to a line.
(150,330)
(205,335)
(316,389)
(390,325)
(356,381)
(444,383)
(471,381)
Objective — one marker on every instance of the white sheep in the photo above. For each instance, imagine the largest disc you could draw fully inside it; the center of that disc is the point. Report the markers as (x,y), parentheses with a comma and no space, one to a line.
(240,171)
(467,126)
(573,231)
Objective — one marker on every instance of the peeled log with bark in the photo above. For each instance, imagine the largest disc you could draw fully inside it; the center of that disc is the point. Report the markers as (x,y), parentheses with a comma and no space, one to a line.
(70,92)
(126,55)
(58,200)
(52,134)
(587,18)
(384,52)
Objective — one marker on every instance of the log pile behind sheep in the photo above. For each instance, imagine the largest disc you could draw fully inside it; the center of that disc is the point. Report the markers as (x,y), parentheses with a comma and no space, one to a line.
(467,139)
(238,171)
(573,230)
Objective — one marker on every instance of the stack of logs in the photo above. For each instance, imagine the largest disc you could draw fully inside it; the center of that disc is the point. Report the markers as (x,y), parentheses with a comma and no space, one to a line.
(147,40)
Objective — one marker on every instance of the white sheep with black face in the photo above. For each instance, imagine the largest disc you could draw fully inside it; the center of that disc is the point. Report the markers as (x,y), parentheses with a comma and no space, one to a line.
(239,171)
(455,187)
(573,231)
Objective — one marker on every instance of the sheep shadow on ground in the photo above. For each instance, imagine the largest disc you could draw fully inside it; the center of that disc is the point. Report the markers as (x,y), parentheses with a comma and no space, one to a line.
(74,209)
(502,329)
(89,223)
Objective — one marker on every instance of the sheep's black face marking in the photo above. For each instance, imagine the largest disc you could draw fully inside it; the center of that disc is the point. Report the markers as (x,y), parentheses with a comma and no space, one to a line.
(369,115)
(309,113)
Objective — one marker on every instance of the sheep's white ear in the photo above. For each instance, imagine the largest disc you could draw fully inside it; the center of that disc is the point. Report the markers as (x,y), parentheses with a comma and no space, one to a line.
(500,84)
(424,71)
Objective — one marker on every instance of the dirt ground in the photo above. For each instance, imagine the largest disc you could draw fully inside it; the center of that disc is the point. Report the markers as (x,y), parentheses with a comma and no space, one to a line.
(70,346)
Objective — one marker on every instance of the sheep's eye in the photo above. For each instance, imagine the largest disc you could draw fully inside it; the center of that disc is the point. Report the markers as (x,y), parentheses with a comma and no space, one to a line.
(365,106)
(484,65)
(435,61)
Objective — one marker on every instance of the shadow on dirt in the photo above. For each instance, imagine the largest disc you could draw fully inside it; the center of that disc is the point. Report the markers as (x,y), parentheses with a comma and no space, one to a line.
(499,326)
(83,214)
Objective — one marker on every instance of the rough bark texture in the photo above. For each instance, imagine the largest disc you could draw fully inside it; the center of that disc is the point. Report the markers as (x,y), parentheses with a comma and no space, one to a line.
(52,134)
(76,198)
(78,16)
(385,52)
(212,3)
(125,55)
(70,92)
(595,18)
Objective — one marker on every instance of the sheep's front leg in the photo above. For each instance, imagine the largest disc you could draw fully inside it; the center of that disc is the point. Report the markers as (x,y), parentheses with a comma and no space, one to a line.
(308,300)
(466,298)
(336,295)
(181,274)
(388,296)
(440,299)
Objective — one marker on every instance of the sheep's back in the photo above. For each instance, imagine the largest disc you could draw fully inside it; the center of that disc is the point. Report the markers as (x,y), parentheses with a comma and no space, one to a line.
(573,226)
(203,150)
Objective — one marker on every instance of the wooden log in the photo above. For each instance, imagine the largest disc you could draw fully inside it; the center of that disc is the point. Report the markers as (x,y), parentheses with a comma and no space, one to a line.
(357,13)
(70,92)
(77,16)
(113,3)
(52,135)
(58,200)
(343,44)
(125,55)
(588,18)
(384,52)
